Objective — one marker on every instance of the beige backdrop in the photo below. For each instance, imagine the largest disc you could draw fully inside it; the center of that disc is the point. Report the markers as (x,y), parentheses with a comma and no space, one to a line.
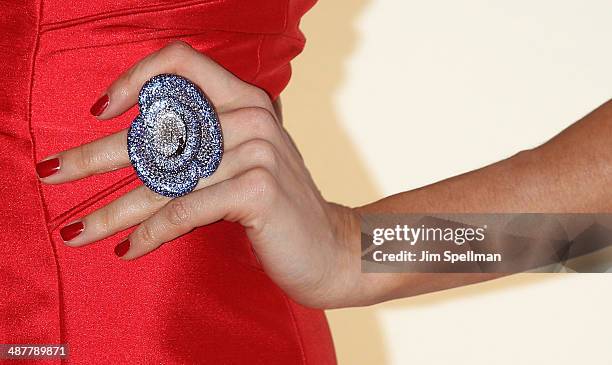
(382,81)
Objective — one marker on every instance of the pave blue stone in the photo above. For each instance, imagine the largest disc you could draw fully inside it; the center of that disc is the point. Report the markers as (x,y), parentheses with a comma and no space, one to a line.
(176,139)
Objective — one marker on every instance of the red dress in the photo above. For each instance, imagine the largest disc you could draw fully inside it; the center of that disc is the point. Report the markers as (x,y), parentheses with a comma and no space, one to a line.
(199,299)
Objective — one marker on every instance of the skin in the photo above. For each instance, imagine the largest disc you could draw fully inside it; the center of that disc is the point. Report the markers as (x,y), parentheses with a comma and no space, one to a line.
(311,247)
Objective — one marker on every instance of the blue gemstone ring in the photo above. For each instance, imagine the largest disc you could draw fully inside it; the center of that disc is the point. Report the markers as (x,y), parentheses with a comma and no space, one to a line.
(176,139)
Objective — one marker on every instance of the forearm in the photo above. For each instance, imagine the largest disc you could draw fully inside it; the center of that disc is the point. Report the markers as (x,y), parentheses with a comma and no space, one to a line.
(570,173)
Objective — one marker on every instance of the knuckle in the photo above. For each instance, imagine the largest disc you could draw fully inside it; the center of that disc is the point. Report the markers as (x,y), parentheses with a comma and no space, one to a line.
(177,52)
(259,183)
(259,97)
(124,90)
(179,46)
(146,234)
(263,153)
(106,220)
(130,80)
(177,212)
(122,86)
(262,122)
(85,158)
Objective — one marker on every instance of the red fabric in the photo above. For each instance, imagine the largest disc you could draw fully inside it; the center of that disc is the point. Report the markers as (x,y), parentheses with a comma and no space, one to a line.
(201,298)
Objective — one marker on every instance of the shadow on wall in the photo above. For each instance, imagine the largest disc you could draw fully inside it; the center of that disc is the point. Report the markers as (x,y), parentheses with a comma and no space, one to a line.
(309,112)
(310,117)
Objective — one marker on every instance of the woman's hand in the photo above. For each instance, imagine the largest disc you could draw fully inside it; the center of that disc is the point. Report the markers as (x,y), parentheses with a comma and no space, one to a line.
(308,246)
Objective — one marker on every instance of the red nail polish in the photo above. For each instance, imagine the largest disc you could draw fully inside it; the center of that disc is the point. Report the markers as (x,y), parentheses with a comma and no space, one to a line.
(99,106)
(47,167)
(122,248)
(71,231)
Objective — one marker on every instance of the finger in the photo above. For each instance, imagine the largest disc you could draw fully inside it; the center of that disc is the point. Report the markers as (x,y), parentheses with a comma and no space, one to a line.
(102,155)
(225,90)
(238,199)
(110,153)
(137,205)
(241,125)
(120,214)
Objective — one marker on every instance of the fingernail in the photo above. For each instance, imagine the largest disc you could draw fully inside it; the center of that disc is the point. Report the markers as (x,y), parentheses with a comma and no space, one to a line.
(47,167)
(71,231)
(99,106)
(122,248)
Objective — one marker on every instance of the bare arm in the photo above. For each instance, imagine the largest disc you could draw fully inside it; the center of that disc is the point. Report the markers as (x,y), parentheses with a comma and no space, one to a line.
(570,173)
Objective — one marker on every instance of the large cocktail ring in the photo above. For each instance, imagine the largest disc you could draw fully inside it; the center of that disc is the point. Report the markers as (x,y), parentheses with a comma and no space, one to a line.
(176,139)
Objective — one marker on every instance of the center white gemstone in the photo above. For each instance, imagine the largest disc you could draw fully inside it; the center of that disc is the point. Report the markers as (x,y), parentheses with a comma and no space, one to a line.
(169,134)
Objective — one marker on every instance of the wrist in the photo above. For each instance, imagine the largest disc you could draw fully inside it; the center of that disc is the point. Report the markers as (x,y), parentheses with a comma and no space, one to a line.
(353,287)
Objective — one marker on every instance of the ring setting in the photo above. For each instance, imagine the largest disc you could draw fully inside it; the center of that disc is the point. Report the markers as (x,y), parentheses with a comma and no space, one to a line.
(176,138)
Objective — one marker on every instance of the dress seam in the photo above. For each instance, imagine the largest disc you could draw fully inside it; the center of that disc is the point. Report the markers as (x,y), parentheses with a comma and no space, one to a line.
(44,209)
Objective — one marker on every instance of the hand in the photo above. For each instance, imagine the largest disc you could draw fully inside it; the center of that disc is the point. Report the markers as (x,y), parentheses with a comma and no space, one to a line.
(308,246)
